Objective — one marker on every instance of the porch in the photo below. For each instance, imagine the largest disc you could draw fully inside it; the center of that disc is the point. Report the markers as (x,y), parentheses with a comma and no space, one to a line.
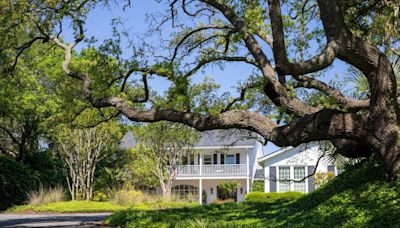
(225,170)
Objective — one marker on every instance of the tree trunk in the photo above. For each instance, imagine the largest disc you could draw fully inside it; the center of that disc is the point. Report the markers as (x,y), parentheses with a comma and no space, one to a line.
(165,190)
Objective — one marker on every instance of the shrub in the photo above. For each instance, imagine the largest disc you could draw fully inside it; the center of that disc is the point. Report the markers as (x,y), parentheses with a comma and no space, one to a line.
(263,197)
(46,195)
(100,196)
(16,180)
(258,186)
(219,201)
(126,197)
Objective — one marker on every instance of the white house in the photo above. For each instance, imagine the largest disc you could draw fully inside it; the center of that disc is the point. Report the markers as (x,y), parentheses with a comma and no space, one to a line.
(285,169)
(220,156)
(230,156)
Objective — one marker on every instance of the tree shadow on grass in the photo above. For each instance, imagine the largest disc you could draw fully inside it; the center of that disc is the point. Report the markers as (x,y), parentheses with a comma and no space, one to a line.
(361,196)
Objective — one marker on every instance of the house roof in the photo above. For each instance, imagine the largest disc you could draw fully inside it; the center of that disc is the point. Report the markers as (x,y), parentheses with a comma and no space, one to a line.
(259,175)
(275,153)
(225,138)
(128,141)
(213,138)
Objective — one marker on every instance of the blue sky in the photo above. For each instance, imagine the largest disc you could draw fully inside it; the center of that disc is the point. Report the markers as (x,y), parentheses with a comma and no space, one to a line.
(99,25)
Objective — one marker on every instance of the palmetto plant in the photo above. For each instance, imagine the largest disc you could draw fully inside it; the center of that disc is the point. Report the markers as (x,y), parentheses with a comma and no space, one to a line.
(227,189)
(360,84)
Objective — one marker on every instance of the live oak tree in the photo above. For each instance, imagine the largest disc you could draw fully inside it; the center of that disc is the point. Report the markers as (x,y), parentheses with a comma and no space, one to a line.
(359,33)
(162,146)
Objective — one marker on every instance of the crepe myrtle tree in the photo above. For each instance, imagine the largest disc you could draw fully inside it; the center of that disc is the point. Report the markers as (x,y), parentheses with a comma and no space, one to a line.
(359,33)
(161,147)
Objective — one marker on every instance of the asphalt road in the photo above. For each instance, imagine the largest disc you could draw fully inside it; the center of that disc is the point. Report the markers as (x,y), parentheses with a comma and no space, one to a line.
(53,220)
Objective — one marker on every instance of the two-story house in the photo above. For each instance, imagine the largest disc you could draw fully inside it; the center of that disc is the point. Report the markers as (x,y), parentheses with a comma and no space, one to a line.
(220,156)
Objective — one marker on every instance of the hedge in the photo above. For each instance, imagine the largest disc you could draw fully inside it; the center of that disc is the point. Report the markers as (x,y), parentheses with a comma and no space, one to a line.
(263,197)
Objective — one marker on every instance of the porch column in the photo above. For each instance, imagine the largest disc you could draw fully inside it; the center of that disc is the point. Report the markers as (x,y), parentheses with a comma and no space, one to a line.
(200,191)
(201,163)
(247,171)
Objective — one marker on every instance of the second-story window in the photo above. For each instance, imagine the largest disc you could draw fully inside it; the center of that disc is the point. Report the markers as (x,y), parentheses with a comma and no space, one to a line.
(230,159)
(207,160)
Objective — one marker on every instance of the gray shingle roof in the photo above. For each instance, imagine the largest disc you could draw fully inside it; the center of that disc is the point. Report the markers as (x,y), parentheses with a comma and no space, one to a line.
(128,141)
(232,137)
(213,138)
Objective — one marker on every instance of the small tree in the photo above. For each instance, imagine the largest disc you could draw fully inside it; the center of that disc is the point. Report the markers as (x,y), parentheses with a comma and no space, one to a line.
(161,146)
(227,190)
(81,150)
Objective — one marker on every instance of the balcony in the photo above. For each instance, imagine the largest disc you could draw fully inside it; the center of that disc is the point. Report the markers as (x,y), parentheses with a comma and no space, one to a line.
(211,170)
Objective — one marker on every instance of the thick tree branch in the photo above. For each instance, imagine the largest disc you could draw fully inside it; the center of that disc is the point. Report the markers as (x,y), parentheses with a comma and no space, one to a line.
(367,58)
(348,102)
(273,88)
(282,64)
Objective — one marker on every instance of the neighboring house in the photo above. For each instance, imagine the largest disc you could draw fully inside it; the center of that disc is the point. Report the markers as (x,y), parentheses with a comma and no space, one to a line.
(284,166)
(220,156)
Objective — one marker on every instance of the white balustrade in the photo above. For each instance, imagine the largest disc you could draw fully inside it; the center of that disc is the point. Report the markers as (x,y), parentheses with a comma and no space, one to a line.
(212,170)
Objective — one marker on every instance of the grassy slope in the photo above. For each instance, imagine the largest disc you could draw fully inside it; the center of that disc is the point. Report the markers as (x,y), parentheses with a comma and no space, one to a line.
(360,197)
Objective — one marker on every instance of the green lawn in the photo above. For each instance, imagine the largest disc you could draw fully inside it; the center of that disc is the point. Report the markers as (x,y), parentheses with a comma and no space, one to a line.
(69,207)
(360,197)
(91,206)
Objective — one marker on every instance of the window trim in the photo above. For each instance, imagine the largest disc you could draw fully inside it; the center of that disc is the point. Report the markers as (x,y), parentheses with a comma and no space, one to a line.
(204,159)
(291,177)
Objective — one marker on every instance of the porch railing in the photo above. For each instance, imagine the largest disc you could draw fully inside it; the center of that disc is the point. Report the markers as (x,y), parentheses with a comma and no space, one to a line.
(212,170)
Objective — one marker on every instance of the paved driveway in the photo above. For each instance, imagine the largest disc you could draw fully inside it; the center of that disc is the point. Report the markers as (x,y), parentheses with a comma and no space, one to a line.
(53,220)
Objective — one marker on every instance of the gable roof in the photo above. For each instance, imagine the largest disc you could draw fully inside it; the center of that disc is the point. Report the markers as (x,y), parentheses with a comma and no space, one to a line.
(287,150)
(128,141)
(275,153)
(213,138)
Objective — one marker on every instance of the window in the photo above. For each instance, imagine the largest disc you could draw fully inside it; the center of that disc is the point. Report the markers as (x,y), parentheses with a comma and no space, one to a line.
(192,160)
(230,159)
(299,173)
(207,159)
(284,175)
(185,191)
(184,160)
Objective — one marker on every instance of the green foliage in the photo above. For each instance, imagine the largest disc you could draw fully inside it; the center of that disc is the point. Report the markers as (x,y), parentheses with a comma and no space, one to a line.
(100,196)
(270,197)
(360,197)
(227,189)
(161,145)
(69,207)
(16,180)
(258,186)
(360,83)
(323,177)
